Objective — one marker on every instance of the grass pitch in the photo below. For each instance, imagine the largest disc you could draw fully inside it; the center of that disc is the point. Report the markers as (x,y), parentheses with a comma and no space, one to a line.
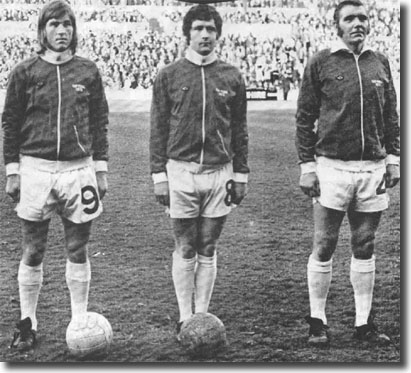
(260,292)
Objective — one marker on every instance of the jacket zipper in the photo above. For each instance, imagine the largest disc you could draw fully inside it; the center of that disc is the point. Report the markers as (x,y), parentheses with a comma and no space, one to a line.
(58,112)
(203,116)
(361,105)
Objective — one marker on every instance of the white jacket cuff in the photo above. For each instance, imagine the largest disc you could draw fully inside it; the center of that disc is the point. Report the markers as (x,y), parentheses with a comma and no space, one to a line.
(240,177)
(100,166)
(12,168)
(392,159)
(308,167)
(159,177)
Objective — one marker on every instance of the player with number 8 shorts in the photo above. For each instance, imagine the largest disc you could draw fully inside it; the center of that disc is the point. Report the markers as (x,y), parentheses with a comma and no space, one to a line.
(198,142)
(55,123)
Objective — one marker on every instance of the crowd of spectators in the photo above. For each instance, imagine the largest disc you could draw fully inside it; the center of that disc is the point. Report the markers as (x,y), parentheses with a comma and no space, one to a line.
(137,62)
(25,2)
(83,14)
(253,15)
(232,3)
(16,14)
(111,14)
(127,61)
(130,60)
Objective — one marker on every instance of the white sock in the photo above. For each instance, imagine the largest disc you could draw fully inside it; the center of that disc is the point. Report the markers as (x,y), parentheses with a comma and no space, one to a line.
(205,276)
(319,279)
(183,279)
(30,280)
(362,278)
(78,276)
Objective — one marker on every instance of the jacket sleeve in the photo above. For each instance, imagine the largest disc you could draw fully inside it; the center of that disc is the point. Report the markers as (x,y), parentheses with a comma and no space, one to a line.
(308,109)
(391,122)
(239,130)
(159,124)
(99,119)
(13,116)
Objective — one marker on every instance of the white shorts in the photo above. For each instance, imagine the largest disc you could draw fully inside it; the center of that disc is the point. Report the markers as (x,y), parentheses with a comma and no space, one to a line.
(196,191)
(360,190)
(68,188)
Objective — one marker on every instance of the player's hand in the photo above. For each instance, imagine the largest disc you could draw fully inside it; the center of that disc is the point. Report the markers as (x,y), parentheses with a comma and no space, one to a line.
(240,190)
(13,187)
(162,193)
(309,184)
(392,176)
(102,183)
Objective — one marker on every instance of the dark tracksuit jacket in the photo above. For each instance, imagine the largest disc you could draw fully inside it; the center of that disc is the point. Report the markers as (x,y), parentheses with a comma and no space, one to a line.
(55,112)
(199,114)
(353,100)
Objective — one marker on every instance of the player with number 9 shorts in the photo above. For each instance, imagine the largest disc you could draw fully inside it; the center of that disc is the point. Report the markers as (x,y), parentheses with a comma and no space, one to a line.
(54,121)
(67,187)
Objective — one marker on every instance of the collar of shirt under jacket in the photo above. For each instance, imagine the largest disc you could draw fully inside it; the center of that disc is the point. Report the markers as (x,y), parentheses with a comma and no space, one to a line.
(57,58)
(198,59)
(340,45)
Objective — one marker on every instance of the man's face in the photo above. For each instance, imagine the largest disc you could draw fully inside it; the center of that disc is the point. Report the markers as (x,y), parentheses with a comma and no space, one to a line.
(59,33)
(353,25)
(203,36)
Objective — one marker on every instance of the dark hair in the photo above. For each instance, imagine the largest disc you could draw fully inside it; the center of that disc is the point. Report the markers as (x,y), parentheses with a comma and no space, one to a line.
(341,5)
(337,12)
(55,9)
(202,12)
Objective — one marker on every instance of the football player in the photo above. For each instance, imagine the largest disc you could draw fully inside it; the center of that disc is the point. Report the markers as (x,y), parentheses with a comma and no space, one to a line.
(55,122)
(347,161)
(198,143)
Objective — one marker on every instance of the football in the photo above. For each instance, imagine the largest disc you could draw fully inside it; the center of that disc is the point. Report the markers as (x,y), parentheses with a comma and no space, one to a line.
(203,334)
(90,336)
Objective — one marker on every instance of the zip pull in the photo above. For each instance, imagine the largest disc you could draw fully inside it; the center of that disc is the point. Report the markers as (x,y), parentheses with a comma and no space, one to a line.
(203,116)
(58,111)
(356,58)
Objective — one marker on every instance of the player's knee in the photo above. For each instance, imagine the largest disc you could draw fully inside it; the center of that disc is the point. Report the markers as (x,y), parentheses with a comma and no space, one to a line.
(34,247)
(185,246)
(325,244)
(363,245)
(77,249)
(209,235)
(32,256)
(186,251)
(77,237)
(322,255)
(207,250)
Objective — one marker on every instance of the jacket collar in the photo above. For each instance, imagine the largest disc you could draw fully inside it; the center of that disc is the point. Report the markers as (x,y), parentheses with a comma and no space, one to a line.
(200,60)
(338,45)
(57,58)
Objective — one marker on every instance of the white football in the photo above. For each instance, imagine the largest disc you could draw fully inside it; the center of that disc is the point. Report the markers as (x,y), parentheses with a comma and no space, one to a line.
(91,335)
(203,334)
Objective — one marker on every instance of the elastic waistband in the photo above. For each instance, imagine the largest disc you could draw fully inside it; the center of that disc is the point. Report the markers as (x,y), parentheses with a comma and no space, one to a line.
(354,166)
(54,166)
(196,168)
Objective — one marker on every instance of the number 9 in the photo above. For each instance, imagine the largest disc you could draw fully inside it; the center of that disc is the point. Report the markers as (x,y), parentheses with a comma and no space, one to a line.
(87,200)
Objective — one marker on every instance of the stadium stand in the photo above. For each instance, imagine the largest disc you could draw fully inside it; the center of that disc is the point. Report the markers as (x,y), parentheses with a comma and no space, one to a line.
(269,40)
